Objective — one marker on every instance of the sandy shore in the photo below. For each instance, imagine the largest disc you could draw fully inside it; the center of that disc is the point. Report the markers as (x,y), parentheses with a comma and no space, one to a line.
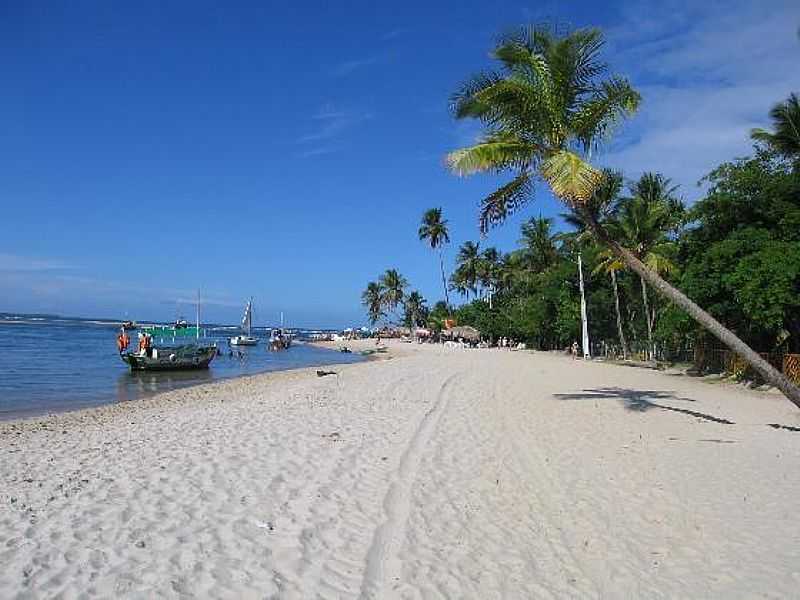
(435,474)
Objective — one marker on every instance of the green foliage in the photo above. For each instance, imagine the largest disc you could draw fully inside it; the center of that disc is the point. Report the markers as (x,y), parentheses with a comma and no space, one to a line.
(433,228)
(741,255)
(546,107)
(785,137)
(415,310)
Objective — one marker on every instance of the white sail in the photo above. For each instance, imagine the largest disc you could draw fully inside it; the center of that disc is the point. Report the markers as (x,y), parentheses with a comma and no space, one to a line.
(247,320)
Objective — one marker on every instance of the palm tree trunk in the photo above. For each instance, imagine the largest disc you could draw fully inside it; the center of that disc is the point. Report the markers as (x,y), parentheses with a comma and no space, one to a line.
(444,280)
(770,374)
(650,348)
(620,331)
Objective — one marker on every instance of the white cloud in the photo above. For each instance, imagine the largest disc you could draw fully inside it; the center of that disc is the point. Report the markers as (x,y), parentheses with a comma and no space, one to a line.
(707,74)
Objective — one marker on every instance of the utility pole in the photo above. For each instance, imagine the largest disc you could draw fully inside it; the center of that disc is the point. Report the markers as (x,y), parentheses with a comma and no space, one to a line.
(584,320)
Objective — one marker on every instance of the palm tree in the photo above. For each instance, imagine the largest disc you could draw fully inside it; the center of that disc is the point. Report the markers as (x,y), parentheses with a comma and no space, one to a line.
(642,225)
(394,286)
(415,309)
(434,229)
(544,112)
(538,243)
(488,271)
(603,205)
(785,138)
(372,299)
(466,276)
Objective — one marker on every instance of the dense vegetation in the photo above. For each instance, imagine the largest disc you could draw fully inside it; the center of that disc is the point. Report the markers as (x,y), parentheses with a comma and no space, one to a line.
(736,252)
(548,105)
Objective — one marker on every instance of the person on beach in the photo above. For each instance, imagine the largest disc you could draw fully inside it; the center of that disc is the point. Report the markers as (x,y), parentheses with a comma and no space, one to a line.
(574,350)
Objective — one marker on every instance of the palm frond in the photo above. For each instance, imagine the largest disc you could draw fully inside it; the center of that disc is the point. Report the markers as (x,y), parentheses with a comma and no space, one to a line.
(786,122)
(494,154)
(465,102)
(596,119)
(570,177)
(504,201)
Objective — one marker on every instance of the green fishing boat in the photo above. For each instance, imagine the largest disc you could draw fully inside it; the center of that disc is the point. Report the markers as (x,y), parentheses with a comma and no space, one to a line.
(168,348)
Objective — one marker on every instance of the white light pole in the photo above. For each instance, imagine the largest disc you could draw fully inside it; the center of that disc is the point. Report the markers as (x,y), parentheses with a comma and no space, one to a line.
(584,320)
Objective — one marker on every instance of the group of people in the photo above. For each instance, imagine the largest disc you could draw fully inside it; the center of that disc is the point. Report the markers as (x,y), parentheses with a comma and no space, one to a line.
(145,342)
(505,342)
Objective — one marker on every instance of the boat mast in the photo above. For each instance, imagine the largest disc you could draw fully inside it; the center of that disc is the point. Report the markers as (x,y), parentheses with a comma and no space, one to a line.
(250,317)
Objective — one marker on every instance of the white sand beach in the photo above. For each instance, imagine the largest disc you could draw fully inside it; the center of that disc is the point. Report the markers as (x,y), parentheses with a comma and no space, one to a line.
(434,474)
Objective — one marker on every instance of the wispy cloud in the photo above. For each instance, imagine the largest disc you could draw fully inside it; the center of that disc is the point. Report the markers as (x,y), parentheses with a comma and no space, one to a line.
(330,124)
(348,66)
(318,151)
(394,33)
(708,74)
(16,263)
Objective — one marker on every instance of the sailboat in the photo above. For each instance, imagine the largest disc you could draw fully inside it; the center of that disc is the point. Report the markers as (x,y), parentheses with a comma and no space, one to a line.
(247,327)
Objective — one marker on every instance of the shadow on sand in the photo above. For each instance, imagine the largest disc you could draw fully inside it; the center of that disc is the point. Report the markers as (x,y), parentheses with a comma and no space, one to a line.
(641,401)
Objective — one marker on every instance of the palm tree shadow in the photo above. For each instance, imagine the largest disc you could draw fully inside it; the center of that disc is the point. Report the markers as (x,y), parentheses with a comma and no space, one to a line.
(641,401)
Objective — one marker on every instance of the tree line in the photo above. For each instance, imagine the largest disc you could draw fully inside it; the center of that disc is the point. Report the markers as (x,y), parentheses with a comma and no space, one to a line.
(659,274)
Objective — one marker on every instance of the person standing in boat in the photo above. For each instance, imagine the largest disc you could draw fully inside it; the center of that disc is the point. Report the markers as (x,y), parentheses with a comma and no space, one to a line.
(122,341)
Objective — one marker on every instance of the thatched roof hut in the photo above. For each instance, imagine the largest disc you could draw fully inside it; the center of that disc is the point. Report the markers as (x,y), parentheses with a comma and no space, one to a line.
(463,331)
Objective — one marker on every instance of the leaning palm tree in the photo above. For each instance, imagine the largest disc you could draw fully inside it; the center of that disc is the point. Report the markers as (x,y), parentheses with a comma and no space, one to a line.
(393,285)
(372,299)
(785,138)
(544,111)
(434,229)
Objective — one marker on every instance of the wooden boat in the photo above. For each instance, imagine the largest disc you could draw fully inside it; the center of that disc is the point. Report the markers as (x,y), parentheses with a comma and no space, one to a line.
(171,348)
(279,339)
(187,356)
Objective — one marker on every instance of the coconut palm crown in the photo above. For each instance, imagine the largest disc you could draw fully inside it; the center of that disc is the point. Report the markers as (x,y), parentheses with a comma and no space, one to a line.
(785,138)
(547,107)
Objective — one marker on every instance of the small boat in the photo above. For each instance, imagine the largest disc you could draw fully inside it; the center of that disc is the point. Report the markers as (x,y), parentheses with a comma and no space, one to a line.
(129,325)
(163,348)
(279,340)
(188,356)
(247,328)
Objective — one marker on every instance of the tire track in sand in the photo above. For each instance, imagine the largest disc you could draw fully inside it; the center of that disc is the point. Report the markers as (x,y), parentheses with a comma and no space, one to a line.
(382,564)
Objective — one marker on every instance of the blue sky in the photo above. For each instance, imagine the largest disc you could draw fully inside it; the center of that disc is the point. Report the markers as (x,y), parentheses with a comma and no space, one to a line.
(287,151)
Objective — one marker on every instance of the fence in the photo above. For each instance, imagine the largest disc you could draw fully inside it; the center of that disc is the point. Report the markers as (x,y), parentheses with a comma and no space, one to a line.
(639,351)
(706,359)
(721,360)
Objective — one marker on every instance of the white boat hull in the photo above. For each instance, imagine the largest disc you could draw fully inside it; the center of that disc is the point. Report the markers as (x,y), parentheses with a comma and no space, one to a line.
(243,340)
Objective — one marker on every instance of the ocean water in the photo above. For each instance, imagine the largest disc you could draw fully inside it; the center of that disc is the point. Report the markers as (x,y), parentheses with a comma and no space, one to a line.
(50,364)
